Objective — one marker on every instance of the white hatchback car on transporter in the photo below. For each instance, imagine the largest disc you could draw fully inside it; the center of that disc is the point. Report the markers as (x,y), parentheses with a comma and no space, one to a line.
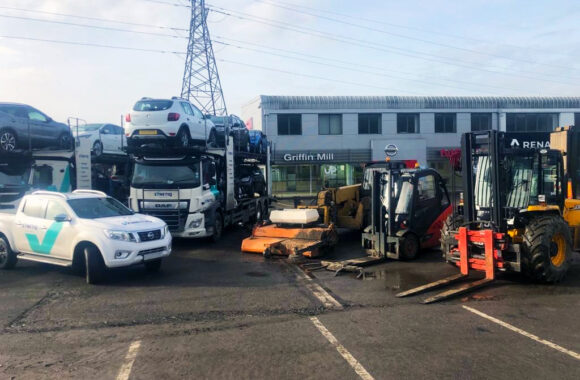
(172,120)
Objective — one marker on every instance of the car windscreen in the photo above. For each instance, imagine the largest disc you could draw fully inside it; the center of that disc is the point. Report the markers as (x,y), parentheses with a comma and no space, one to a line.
(95,208)
(152,105)
(167,176)
(218,120)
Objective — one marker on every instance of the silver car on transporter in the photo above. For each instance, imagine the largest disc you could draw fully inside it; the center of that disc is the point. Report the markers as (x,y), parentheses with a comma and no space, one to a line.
(24,127)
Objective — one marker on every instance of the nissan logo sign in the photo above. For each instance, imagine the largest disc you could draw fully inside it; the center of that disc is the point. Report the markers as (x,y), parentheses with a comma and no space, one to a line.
(150,235)
(391,150)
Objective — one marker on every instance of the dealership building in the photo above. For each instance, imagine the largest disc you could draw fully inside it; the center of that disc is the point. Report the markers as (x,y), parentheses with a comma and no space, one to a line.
(325,140)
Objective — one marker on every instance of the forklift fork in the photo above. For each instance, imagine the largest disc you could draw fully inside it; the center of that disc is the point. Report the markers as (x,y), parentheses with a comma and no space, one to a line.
(493,243)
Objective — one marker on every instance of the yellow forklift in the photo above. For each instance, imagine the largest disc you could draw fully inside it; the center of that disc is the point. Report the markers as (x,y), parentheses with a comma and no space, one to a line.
(521,211)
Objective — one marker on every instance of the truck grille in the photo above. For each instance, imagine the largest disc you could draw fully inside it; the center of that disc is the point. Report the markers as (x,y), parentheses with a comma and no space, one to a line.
(149,235)
(175,219)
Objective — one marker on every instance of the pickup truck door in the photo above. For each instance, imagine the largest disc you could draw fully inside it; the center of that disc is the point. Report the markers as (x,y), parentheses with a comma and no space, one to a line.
(30,226)
(62,230)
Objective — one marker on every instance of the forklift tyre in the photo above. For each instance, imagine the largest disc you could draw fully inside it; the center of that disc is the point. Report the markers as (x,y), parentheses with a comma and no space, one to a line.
(409,247)
(547,249)
(447,240)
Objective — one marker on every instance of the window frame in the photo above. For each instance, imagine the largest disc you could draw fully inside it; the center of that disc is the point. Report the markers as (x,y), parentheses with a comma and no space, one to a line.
(329,117)
(444,116)
(368,123)
(408,115)
(289,128)
(479,115)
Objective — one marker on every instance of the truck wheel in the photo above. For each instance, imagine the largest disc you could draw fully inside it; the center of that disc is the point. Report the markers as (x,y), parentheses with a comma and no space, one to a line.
(218,226)
(8,258)
(95,266)
(547,249)
(409,247)
(448,240)
(153,266)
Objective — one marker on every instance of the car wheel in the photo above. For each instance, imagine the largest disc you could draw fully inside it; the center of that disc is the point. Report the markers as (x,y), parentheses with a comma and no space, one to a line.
(8,258)
(183,138)
(153,266)
(7,140)
(65,141)
(95,266)
(97,149)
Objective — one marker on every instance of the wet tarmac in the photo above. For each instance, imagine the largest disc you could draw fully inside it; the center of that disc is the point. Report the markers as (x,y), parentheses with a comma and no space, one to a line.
(216,313)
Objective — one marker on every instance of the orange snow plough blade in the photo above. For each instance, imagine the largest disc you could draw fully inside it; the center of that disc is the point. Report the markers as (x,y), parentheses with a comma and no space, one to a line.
(272,239)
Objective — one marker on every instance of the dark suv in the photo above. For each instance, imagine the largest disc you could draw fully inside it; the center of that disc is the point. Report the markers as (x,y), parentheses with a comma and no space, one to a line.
(22,126)
(237,128)
(250,181)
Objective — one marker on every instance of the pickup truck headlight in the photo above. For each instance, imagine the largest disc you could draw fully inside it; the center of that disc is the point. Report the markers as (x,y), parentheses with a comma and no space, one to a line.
(120,235)
(164,231)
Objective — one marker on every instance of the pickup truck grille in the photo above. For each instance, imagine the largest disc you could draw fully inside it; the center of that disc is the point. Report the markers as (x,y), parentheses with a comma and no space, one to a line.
(149,235)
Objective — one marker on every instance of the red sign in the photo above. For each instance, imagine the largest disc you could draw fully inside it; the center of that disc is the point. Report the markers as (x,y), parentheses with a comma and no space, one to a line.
(454,157)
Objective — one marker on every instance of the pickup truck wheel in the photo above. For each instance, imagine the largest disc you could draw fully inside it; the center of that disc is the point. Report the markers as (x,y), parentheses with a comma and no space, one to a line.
(8,258)
(218,226)
(153,266)
(95,266)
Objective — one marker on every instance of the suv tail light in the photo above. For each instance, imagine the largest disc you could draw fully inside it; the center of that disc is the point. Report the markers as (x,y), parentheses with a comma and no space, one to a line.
(128,118)
(173,116)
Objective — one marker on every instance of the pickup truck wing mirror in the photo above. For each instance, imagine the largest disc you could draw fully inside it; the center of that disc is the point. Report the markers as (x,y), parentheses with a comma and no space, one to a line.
(62,218)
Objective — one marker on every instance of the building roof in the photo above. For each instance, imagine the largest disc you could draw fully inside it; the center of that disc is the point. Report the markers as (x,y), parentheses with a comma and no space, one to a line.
(416,102)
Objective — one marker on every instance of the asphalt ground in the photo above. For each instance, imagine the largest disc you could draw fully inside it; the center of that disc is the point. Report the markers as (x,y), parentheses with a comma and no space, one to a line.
(216,313)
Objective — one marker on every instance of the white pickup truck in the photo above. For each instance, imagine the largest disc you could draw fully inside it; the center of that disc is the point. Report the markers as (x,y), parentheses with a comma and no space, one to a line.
(84,229)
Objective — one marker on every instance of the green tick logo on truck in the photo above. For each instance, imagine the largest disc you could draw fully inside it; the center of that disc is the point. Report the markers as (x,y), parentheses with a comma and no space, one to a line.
(48,242)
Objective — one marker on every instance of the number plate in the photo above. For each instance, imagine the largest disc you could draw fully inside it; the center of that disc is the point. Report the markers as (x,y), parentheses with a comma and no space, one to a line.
(147,132)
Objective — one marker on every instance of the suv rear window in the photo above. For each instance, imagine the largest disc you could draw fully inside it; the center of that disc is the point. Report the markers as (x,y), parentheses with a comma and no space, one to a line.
(153,105)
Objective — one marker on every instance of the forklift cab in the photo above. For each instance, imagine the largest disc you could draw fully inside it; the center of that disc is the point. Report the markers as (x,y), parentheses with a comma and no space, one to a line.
(409,207)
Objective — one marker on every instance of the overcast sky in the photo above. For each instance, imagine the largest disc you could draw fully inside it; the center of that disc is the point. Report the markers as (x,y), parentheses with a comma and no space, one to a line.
(364,47)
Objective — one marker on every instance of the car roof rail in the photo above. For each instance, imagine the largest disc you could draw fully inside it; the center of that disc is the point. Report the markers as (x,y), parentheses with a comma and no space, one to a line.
(86,191)
(47,192)
(146,98)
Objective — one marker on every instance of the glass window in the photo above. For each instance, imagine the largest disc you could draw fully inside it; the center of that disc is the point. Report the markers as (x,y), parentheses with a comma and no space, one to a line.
(186,108)
(369,123)
(17,111)
(445,123)
(531,122)
(330,124)
(289,124)
(480,122)
(36,115)
(196,111)
(426,188)
(577,119)
(153,105)
(53,209)
(408,123)
(34,207)
(183,176)
(95,208)
(444,200)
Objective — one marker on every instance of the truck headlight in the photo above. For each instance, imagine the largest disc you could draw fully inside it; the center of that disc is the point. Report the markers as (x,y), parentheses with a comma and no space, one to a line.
(195,223)
(120,235)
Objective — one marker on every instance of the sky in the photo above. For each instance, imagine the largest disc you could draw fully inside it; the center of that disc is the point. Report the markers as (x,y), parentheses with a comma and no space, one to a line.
(284,47)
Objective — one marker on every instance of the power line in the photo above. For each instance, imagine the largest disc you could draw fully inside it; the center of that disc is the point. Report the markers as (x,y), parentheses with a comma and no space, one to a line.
(168,3)
(400,26)
(399,35)
(351,69)
(91,26)
(317,77)
(380,47)
(326,61)
(89,44)
(95,19)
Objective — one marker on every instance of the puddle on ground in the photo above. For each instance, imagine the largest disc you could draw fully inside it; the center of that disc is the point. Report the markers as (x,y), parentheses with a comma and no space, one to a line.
(397,279)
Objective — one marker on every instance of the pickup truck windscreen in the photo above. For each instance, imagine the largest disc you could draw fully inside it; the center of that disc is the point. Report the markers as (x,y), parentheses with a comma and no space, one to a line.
(95,208)
(166,176)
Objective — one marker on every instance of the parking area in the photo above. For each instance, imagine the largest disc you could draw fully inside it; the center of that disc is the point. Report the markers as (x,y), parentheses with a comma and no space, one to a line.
(216,313)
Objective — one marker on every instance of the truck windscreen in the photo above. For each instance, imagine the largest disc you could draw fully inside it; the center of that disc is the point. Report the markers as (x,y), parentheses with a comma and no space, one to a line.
(166,176)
